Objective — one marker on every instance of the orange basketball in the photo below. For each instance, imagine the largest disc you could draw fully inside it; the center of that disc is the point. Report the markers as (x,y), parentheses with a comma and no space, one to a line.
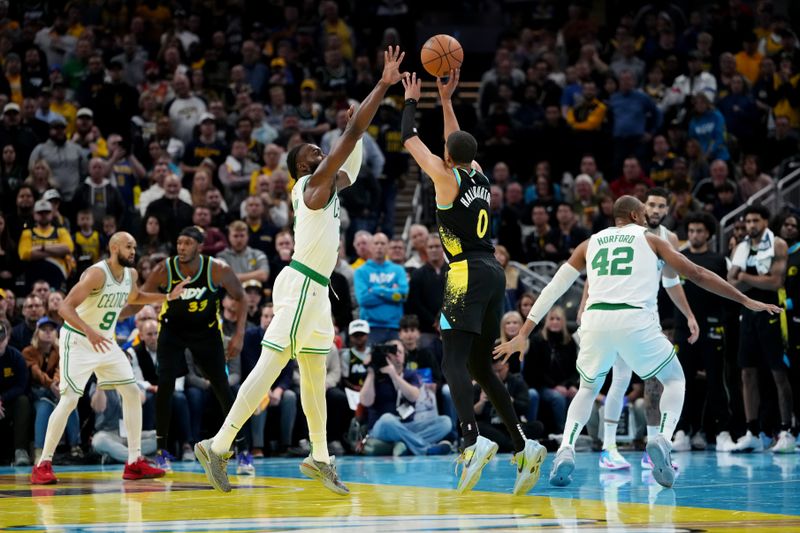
(440,54)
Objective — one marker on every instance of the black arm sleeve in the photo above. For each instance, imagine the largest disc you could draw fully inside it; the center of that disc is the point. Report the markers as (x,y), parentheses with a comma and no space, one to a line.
(407,127)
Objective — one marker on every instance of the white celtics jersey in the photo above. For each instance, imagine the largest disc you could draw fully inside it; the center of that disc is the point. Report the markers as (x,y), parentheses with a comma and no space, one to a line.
(664,234)
(622,268)
(316,233)
(102,307)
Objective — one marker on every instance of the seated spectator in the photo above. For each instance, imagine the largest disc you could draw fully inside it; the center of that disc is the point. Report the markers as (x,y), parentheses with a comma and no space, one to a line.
(390,394)
(682,203)
(426,290)
(706,190)
(632,174)
(172,213)
(246,262)
(725,201)
(214,241)
(99,194)
(356,358)
(381,288)
(605,215)
(779,146)
(46,251)
(740,113)
(418,358)
(107,439)
(510,324)
(32,311)
(271,154)
(219,210)
(88,244)
(418,235)
(153,240)
(42,359)
(54,301)
(589,167)
(396,251)
(661,164)
(253,294)
(549,366)
(489,423)
(753,180)
(156,189)
(236,171)
(13,401)
(260,229)
(504,221)
(584,202)
(514,286)
(566,236)
(536,240)
(590,113)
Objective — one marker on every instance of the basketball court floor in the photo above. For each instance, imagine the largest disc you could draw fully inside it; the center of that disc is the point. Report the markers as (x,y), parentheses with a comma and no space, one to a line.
(713,492)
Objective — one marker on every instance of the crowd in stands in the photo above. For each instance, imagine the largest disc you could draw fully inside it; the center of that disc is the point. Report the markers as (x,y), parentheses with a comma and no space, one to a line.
(150,116)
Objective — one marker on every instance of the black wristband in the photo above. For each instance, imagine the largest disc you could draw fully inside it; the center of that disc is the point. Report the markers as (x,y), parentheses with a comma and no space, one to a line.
(407,123)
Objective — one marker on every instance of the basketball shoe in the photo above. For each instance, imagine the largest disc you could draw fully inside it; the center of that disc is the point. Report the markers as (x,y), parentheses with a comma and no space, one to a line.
(529,466)
(473,459)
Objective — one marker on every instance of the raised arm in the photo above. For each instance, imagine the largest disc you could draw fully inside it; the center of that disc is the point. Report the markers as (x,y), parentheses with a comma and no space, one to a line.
(772,280)
(137,297)
(444,181)
(321,184)
(672,284)
(92,280)
(446,91)
(156,281)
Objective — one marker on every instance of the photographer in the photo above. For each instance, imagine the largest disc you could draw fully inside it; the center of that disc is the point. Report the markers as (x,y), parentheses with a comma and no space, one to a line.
(390,394)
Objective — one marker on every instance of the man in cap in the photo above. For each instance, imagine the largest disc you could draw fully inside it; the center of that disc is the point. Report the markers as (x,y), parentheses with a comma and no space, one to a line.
(43,111)
(87,135)
(45,249)
(54,197)
(12,131)
(66,159)
(205,146)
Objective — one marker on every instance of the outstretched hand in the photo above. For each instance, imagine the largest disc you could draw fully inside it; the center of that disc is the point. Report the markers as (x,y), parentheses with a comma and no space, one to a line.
(504,351)
(755,305)
(413,87)
(391,65)
(446,90)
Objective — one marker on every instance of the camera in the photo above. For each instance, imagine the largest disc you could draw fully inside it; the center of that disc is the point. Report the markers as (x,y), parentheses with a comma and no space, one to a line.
(379,353)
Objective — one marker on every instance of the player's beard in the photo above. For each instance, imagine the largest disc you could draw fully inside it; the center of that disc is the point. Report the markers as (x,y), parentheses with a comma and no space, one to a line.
(650,224)
(126,262)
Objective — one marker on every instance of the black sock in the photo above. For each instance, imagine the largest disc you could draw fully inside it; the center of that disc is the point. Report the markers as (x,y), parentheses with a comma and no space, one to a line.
(470,432)
(786,427)
(754,427)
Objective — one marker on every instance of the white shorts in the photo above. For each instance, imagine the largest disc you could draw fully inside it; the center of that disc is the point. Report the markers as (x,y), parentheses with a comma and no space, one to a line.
(78,361)
(302,321)
(632,334)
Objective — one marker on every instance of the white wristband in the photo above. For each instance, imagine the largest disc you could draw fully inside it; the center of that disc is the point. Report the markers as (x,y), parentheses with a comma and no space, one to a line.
(670,282)
(352,166)
(562,281)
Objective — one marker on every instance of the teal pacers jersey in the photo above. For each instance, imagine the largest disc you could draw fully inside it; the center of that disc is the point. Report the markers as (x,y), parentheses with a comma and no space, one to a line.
(196,312)
(464,224)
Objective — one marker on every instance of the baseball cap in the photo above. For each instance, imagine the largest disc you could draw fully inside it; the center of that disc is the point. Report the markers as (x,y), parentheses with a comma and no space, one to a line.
(358,326)
(308,83)
(207,116)
(45,320)
(278,62)
(252,284)
(42,205)
(85,112)
(11,107)
(57,121)
(51,194)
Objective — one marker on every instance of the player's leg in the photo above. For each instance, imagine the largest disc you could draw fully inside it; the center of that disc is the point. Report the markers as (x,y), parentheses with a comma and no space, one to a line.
(312,397)
(773,349)
(749,361)
(620,380)
(57,422)
(171,364)
(652,399)
(456,347)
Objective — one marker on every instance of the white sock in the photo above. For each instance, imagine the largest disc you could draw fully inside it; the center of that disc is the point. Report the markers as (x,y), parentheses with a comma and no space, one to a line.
(132,418)
(671,403)
(312,396)
(578,413)
(252,391)
(57,422)
(610,435)
(652,431)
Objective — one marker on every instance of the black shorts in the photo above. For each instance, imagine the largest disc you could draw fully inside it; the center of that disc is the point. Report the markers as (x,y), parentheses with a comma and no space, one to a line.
(760,341)
(207,352)
(473,296)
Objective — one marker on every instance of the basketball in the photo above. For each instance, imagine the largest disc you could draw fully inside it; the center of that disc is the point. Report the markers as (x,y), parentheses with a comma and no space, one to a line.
(440,54)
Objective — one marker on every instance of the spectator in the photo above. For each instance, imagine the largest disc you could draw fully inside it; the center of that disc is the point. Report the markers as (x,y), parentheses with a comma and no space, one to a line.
(98,194)
(419,358)
(362,242)
(42,359)
(246,262)
(550,366)
(780,145)
(682,203)
(381,288)
(88,136)
(173,214)
(214,241)
(204,150)
(153,240)
(107,439)
(489,423)
(13,132)
(753,180)
(418,236)
(156,190)
(15,407)
(65,158)
(261,231)
(632,175)
(627,60)
(514,286)
(9,257)
(272,154)
(235,173)
(504,220)
(686,86)
(725,201)
(117,102)
(426,290)
(536,240)
(566,236)
(397,251)
(705,191)
(604,217)
(54,301)
(356,358)
(185,110)
(749,58)
(390,393)
(585,203)
(46,250)
(636,119)
(660,170)
(708,127)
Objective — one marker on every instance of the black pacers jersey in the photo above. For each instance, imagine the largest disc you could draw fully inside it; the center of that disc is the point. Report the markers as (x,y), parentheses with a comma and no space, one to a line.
(464,224)
(196,312)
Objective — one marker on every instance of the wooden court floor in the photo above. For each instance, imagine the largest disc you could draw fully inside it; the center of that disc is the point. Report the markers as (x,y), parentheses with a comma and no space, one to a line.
(714,492)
